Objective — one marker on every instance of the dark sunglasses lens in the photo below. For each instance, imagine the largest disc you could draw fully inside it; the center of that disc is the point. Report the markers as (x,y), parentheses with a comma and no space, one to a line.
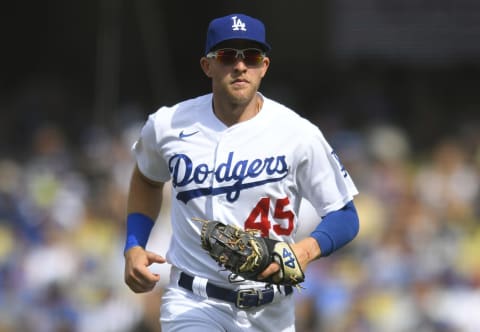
(253,57)
(227,56)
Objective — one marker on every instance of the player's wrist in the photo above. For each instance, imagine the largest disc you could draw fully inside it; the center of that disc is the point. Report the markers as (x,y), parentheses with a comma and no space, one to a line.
(312,249)
(306,250)
(131,250)
(139,227)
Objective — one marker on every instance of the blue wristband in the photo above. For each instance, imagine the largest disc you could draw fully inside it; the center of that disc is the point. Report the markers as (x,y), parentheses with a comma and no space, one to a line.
(139,227)
(337,229)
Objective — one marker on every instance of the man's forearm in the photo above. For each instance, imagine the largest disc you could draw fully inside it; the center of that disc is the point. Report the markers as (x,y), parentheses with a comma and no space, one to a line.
(143,207)
(145,196)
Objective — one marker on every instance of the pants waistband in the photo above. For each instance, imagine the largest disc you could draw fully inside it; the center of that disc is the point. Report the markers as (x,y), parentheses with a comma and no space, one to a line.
(242,298)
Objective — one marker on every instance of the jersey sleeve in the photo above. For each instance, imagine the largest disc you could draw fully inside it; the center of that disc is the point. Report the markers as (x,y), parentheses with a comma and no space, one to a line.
(148,153)
(322,178)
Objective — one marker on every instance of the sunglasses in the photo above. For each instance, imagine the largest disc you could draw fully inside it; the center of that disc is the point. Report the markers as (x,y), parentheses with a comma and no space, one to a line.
(228,56)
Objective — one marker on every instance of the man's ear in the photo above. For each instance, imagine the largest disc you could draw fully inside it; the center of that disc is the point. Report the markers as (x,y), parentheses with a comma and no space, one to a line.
(205,64)
(266,64)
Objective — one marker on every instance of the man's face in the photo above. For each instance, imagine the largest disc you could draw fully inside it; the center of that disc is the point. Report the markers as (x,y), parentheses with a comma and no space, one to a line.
(235,78)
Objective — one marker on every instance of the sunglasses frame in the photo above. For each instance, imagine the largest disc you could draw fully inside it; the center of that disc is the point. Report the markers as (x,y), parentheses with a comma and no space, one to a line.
(239,52)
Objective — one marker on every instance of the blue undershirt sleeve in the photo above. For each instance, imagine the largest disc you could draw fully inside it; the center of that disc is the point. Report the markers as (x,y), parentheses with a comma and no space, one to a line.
(336,229)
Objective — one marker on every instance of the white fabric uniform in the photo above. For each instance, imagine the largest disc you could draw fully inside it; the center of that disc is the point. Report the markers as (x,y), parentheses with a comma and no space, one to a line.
(252,174)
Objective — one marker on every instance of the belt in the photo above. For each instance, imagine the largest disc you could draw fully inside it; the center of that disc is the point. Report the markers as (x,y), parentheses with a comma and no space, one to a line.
(242,298)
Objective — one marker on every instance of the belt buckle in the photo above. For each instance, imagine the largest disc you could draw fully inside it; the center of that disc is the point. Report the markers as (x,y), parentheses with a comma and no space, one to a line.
(249,291)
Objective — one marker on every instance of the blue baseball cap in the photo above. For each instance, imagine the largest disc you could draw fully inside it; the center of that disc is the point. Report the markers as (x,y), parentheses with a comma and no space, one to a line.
(235,26)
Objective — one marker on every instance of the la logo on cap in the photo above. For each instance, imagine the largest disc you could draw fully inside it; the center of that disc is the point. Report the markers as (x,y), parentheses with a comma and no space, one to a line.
(238,24)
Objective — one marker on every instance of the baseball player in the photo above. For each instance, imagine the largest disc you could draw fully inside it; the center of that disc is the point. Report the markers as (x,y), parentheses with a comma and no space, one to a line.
(238,157)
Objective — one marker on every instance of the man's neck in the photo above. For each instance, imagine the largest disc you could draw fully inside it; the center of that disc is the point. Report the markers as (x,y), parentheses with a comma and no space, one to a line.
(231,114)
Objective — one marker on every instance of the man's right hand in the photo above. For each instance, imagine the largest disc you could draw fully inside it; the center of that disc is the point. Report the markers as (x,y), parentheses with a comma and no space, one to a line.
(137,274)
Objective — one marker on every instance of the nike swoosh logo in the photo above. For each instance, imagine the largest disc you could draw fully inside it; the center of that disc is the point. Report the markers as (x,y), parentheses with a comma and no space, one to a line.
(183,134)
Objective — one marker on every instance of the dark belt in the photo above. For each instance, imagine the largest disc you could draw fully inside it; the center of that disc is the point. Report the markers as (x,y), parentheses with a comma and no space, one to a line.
(242,298)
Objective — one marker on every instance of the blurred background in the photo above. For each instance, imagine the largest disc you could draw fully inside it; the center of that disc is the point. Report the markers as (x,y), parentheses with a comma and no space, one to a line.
(393,84)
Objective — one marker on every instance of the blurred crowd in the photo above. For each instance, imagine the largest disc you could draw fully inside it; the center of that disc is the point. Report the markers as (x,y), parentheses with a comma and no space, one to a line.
(415,265)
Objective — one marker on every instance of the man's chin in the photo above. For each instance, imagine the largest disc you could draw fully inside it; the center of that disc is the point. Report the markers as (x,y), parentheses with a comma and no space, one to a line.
(242,97)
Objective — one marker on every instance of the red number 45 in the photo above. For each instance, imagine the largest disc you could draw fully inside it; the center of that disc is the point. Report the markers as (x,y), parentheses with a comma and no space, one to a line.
(259,217)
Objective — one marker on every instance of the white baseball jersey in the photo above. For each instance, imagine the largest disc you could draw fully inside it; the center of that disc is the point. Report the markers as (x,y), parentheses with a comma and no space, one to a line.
(252,174)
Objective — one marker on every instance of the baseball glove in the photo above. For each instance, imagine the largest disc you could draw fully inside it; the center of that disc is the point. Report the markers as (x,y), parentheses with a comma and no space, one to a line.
(245,254)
